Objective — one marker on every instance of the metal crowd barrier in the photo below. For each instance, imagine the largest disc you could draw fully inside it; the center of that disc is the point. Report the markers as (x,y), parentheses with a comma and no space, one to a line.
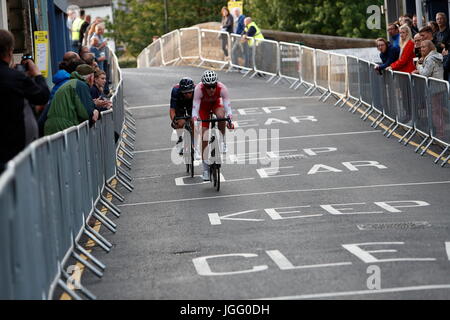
(241,54)
(210,41)
(48,195)
(266,58)
(170,48)
(417,104)
(290,66)
(189,44)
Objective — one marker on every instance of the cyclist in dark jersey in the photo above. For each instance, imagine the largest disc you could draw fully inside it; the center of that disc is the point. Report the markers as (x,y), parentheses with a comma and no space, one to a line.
(181,100)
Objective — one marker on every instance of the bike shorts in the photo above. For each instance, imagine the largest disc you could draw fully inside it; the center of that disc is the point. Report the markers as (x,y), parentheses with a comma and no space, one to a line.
(206,109)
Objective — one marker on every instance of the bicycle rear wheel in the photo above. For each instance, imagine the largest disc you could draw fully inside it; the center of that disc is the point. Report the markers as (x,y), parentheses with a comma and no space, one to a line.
(214,175)
(192,154)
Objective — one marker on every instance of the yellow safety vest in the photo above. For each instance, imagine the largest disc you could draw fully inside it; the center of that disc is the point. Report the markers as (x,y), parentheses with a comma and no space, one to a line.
(76,27)
(258,34)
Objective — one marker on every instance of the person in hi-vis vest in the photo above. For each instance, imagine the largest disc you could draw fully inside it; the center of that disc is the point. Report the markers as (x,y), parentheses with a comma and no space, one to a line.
(76,28)
(251,33)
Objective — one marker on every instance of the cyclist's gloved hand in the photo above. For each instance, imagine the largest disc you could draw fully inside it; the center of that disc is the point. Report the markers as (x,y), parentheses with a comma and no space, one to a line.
(174,124)
(194,118)
(230,125)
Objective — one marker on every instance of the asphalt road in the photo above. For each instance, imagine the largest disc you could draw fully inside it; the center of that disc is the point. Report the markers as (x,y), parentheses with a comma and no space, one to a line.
(349,215)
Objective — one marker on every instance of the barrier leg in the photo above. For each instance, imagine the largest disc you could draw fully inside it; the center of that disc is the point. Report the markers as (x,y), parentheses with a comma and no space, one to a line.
(128,143)
(111,226)
(445,161)
(124,161)
(293,84)
(125,184)
(82,289)
(355,107)
(421,144)
(97,237)
(104,244)
(67,290)
(427,146)
(388,128)
(110,206)
(379,122)
(410,138)
(124,174)
(339,101)
(115,194)
(376,120)
(441,155)
(87,264)
(367,113)
(90,257)
(344,101)
(392,131)
(125,151)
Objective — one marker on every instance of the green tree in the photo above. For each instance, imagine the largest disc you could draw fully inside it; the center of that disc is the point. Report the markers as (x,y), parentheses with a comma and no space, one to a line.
(135,22)
(345,18)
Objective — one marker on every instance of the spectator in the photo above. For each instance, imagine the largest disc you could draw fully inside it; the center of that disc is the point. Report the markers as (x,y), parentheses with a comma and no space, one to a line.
(66,67)
(401,20)
(446,64)
(88,58)
(432,65)
(72,103)
(434,27)
(426,33)
(98,54)
(415,27)
(17,90)
(251,31)
(84,26)
(417,41)
(227,26)
(155,38)
(76,34)
(408,21)
(443,34)
(92,27)
(406,61)
(394,34)
(99,31)
(388,53)
(238,28)
(83,50)
(101,103)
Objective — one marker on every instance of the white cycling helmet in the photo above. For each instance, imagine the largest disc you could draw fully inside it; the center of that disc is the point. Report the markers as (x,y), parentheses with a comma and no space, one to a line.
(209,78)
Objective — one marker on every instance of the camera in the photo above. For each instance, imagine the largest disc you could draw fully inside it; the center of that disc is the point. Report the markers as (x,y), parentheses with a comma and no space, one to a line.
(24,58)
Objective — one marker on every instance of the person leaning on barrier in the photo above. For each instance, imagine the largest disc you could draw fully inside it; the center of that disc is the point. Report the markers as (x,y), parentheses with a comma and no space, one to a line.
(101,103)
(388,54)
(18,89)
(72,103)
(251,30)
(227,26)
(406,61)
(432,65)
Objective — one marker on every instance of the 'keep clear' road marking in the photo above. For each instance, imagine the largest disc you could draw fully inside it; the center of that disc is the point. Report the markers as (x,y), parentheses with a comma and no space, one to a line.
(308,211)
(203,267)
(361,187)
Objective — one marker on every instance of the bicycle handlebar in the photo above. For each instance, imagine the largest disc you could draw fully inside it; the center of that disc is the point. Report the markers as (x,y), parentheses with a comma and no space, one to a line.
(215,120)
(182,118)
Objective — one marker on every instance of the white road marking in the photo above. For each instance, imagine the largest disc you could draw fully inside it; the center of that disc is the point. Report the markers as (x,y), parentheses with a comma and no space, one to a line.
(280,138)
(410,184)
(360,292)
(284,264)
(232,100)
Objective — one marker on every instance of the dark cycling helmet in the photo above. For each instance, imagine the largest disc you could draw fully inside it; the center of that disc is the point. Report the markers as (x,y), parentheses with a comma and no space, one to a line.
(209,77)
(187,85)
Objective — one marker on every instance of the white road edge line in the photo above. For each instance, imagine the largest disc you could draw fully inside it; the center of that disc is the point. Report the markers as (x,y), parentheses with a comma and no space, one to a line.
(281,138)
(232,100)
(361,292)
(286,191)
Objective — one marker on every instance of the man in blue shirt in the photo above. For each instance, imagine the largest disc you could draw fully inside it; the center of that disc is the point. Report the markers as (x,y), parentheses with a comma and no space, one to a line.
(238,28)
(394,34)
